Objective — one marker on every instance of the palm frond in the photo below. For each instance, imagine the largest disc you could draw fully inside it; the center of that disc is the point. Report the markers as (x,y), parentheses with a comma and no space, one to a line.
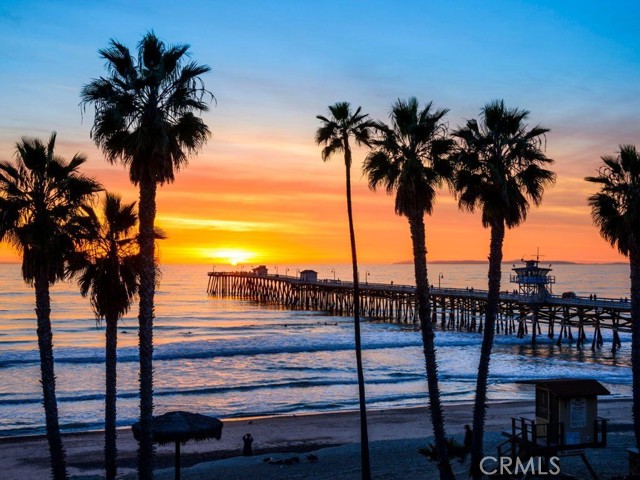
(411,156)
(43,207)
(499,164)
(161,80)
(615,208)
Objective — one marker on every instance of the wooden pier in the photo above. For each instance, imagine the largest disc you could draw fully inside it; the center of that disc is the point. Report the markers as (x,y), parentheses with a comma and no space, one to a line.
(577,319)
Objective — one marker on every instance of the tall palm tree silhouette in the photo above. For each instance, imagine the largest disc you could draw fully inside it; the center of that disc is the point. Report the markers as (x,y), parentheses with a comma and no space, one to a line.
(499,170)
(43,205)
(108,273)
(410,158)
(615,210)
(145,117)
(334,134)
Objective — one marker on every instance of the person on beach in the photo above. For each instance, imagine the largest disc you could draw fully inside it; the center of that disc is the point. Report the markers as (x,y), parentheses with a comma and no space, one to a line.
(247,449)
(468,438)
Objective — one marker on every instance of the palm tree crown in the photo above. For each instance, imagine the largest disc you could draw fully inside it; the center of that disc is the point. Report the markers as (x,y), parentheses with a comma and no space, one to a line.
(144,111)
(410,156)
(500,165)
(108,268)
(616,207)
(44,202)
(335,131)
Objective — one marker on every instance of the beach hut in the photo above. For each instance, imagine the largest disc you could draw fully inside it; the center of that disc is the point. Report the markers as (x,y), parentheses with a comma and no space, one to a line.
(568,409)
(261,271)
(566,422)
(309,276)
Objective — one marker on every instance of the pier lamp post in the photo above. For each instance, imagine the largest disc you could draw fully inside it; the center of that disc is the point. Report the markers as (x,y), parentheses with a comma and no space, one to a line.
(276,267)
(333,270)
(440,277)
(286,271)
(367,277)
(298,272)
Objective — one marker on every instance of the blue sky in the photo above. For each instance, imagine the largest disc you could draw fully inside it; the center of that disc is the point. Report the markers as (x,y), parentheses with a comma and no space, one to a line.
(275,65)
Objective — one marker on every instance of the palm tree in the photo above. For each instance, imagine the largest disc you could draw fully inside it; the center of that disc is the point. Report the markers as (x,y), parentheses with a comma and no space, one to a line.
(108,273)
(499,170)
(409,157)
(145,117)
(616,212)
(334,134)
(43,202)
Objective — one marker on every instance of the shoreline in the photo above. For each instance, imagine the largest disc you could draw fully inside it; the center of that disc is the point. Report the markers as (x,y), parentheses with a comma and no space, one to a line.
(27,457)
(449,405)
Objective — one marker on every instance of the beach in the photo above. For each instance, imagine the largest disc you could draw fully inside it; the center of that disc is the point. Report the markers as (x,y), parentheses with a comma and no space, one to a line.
(395,435)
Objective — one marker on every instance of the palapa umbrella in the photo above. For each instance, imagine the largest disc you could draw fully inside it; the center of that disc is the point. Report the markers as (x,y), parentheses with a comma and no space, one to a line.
(180,427)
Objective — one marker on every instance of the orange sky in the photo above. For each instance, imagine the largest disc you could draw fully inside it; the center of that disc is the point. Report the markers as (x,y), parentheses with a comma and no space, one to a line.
(235,202)
(259,192)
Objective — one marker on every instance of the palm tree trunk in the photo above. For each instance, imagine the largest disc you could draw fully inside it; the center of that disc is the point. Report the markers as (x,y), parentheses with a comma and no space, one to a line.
(147,214)
(110,449)
(45,345)
(416,224)
(364,433)
(634,262)
(493,298)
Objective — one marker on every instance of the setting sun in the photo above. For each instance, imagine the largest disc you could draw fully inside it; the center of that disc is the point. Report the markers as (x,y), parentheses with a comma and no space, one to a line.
(233,256)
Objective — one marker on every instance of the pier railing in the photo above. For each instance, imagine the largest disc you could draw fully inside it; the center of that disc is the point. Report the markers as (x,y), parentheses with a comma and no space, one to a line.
(452,308)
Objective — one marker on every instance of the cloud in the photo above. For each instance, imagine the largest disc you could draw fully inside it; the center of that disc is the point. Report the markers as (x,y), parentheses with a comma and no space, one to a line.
(214,224)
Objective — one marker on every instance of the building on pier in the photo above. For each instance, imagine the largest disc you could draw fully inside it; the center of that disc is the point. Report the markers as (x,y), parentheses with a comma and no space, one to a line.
(261,271)
(309,276)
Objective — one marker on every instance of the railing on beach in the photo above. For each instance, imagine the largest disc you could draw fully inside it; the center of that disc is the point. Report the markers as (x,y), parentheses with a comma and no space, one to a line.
(459,309)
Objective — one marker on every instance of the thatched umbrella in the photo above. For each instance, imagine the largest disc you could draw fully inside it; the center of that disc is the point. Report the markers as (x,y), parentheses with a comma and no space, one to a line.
(180,427)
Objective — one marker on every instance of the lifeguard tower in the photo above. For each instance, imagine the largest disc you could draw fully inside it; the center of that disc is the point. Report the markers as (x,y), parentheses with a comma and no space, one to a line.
(566,422)
(533,280)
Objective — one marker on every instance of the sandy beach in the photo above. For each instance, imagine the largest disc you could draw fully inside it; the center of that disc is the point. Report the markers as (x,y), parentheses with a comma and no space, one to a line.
(395,435)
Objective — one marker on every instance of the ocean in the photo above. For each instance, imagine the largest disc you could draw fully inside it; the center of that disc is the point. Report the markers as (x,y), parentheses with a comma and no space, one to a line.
(233,358)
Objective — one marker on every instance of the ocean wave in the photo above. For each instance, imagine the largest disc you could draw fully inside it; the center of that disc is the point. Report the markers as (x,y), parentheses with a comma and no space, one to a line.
(209,350)
(290,384)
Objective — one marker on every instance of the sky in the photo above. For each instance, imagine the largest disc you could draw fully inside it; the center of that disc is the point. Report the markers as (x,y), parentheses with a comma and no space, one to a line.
(258,192)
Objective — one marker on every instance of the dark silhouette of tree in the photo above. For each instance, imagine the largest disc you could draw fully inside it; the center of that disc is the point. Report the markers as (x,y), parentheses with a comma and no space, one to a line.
(410,158)
(107,271)
(334,134)
(499,169)
(615,210)
(145,117)
(43,204)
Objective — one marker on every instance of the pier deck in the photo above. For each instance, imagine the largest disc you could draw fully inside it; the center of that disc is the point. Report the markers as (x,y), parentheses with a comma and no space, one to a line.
(462,309)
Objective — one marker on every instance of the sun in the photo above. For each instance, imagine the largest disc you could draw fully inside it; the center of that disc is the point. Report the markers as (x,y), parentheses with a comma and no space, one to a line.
(234,256)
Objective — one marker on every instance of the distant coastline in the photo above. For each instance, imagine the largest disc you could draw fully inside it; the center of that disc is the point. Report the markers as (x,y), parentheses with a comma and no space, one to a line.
(481,262)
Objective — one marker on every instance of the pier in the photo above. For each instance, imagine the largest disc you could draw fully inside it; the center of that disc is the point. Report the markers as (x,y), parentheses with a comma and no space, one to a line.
(531,310)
